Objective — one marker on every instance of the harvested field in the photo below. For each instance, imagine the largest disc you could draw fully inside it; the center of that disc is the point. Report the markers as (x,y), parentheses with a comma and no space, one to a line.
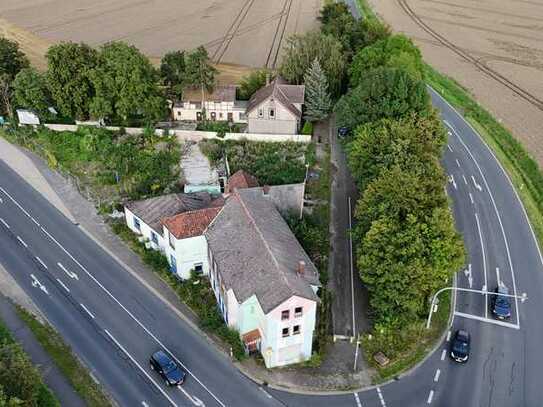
(239,32)
(493,48)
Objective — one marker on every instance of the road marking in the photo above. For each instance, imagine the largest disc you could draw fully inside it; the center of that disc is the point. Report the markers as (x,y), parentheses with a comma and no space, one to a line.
(69,273)
(357,399)
(471,198)
(15,202)
(451,180)
(476,184)
(484,261)
(22,242)
(87,311)
(194,400)
(498,276)
(4,223)
(268,395)
(467,273)
(381,397)
(449,147)
(443,354)
(140,368)
(147,331)
(63,285)
(144,404)
(36,283)
(448,336)
(457,163)
(430,397)
(436,376)
(351,265)
(465,180)
(41,262)
(489,320)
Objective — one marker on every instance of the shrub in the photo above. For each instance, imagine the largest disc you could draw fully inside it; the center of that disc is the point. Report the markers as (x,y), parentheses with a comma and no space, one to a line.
(308,128)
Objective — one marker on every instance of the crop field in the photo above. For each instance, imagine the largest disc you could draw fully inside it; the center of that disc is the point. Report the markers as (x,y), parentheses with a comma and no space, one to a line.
(236,32)
(494,48)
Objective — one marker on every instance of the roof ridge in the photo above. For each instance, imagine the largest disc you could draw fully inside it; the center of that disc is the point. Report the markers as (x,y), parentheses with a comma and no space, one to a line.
(253,222)
(187,213)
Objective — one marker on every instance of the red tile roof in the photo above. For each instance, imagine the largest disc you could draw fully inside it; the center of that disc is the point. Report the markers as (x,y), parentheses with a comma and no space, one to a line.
(190,224)
(241,180)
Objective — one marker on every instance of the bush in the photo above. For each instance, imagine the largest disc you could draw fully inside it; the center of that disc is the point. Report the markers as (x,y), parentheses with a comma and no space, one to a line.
(220,127)
(308,128)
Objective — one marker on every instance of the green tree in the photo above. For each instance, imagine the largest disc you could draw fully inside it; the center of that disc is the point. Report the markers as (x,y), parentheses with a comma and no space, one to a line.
(12,59)
(301,50)
(19,378)
(6,92)
(382,93)
(172,72)
(396,51)
(410,143)
(68,68)
(31,92)
(126,85)
(249,84)
(317,99)
(199,71)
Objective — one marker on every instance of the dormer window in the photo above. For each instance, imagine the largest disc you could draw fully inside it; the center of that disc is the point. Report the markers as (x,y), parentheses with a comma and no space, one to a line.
(260,113)
(271,112)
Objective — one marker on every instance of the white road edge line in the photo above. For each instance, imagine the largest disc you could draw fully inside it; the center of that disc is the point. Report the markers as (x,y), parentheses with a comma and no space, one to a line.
(119,303)
(357,399)
(22,242)
(443,354)
(41,262)
(4,223)
(489,320)
(140,368)
(430,397)
(87,311)
(436,376)
(484,262)
(63,285)
(351,265)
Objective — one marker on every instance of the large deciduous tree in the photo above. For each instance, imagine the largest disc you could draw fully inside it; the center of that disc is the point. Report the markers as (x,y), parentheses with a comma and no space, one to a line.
(30,91)
(382,93)
(12,59)
(301,50)
(396,51)
(317,99)
(249,84)
(199,71)
(126,85)
(68,69)
(172,72)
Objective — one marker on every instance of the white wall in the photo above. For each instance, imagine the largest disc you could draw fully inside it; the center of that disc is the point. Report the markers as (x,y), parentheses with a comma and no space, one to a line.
(144,230)
(283,121)
(187,253)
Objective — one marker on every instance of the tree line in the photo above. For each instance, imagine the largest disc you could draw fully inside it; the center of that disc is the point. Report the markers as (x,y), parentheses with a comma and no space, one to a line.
(115,82)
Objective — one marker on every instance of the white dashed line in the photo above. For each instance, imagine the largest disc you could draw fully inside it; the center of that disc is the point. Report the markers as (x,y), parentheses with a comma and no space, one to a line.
(458,163)
(436,376)
(41,262)
(381,397)
(449,147)
(63,285)
(448,336)
(471,198)
(430,397)
(4,223)
(480,188)
(357,399)
(22,242)
(443,354)
(465,180)
(87,311)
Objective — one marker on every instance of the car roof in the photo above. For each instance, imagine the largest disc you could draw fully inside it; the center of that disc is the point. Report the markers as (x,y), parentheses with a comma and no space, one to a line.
(162,357)
(502,289)
(463,334)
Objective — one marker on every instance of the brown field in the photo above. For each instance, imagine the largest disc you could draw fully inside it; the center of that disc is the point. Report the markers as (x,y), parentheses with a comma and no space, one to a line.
(494,48)
(236,32)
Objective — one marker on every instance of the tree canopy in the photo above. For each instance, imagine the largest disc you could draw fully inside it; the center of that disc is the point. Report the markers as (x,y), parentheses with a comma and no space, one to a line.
(249,84)
(68,77)
(30,91)
(172,73)
(301,50)
(199,71)
(317,99)
(396,51)
(12,59)
(382,93)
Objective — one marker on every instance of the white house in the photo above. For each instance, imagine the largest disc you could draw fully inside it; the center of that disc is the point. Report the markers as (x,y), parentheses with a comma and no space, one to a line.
(276,108)
(264,282)
(219,105)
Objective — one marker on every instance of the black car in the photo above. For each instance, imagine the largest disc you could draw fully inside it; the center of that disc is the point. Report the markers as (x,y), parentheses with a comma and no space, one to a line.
(501,305)
(460,346)
(166,367)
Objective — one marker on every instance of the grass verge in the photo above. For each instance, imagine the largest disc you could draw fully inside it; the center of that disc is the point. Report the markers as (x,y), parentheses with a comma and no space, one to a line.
(65,360)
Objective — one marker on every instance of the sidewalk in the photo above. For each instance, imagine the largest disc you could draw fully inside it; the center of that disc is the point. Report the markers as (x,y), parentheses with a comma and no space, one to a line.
(56,381)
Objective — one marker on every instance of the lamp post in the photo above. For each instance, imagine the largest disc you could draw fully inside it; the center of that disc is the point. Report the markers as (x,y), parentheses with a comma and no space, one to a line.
(522,298)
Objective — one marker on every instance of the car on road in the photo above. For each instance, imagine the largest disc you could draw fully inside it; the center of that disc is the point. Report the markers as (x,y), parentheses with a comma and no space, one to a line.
(167,368)
(501,305)
(460,346)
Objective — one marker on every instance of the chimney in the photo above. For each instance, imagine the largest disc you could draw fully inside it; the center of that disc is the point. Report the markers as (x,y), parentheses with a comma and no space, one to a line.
(266,189)
(301,268)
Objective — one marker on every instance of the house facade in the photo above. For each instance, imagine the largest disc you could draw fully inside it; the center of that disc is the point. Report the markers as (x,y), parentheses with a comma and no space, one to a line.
(220,105)
(276,108)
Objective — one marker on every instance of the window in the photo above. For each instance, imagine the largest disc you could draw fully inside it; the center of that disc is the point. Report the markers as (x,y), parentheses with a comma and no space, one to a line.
(179,113)
(296,330)
(220,115)
(198,268)
(298,311)
(260,113)
(285,332)
(137,223)
(271,112)
(285,315)
(173,264)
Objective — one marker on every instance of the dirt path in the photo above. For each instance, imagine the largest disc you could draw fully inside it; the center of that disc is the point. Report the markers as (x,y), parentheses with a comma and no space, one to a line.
(493,48)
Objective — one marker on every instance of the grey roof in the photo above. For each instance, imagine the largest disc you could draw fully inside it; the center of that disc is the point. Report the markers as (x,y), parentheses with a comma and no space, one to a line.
(220,93)
(153,210)
(285,94)
(257,253)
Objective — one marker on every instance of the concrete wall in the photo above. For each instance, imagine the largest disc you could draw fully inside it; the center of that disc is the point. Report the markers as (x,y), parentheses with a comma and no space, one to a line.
(187,253)
(188,135)
(272,126)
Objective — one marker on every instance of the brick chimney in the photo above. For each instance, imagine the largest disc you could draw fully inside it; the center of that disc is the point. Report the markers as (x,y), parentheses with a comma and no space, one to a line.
(266,189)
(301,268)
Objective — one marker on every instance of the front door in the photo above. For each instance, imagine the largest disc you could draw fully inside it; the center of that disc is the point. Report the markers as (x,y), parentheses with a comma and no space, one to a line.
(230,117)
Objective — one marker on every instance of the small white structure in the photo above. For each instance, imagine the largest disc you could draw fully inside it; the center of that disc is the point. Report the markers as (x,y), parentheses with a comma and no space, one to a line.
(198,174)
(27,117)
(276,108)
(221,105)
